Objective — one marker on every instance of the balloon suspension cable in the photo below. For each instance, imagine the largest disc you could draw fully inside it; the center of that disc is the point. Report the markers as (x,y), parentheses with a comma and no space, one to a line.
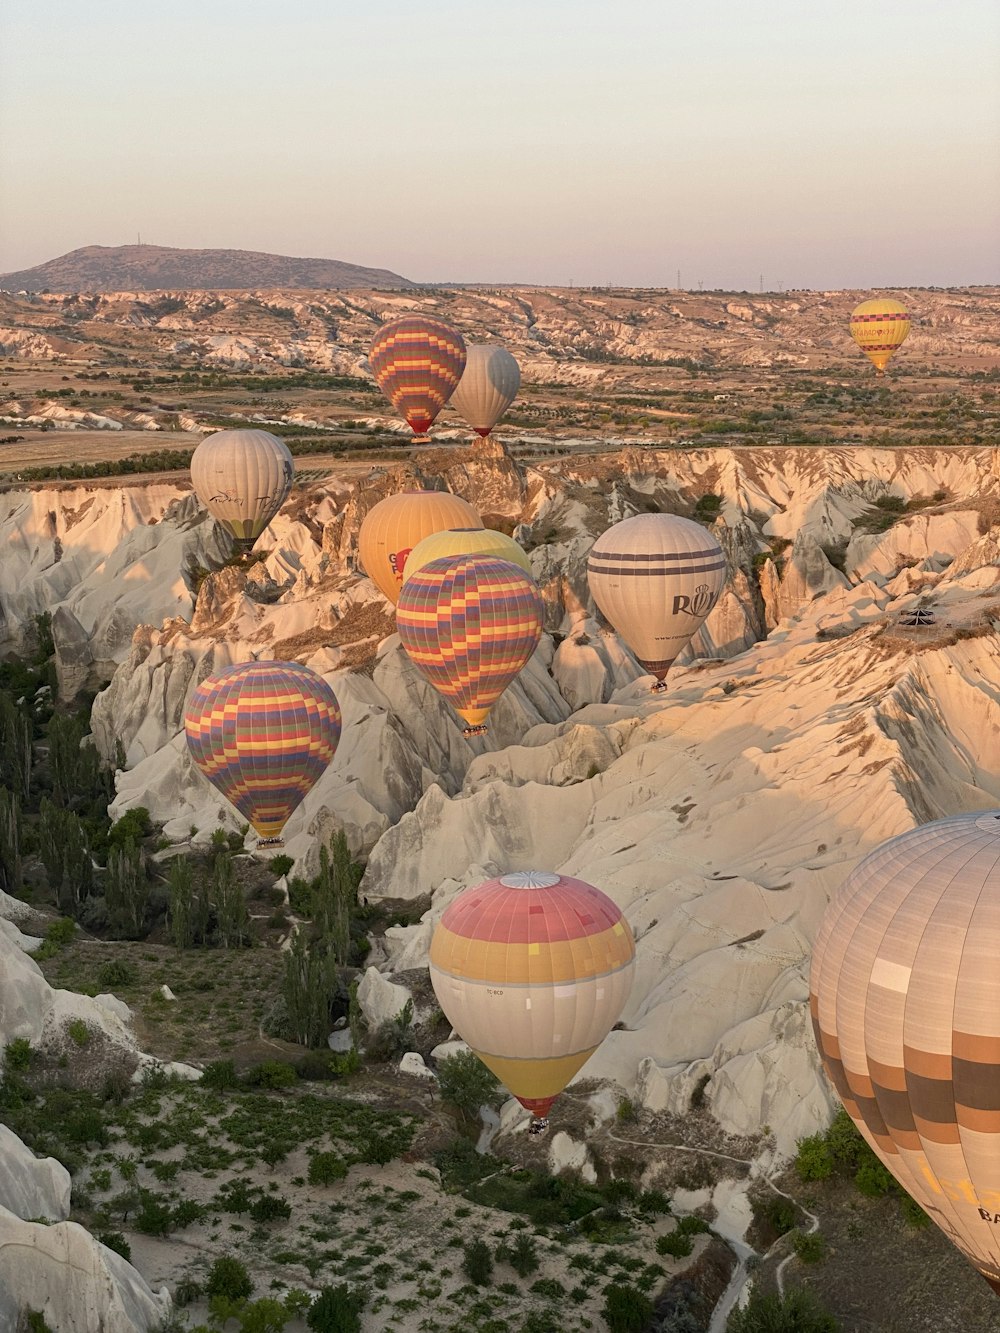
(539,1124)
(481,730)
(660,687)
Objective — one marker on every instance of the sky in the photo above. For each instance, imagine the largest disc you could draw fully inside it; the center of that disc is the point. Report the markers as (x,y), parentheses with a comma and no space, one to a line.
(793,143)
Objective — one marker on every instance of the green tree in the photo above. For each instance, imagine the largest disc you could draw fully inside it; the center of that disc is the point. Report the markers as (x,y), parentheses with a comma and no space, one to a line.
(229,1278)
(64,849)
(180,913)
(232,920)
(126,890)
(466,1083)
(10,843)
(337,1310)
(309,986)
(335,895)
(477,1262)
(15,746)
(74,764)
(798,1311)
(522,1255)
(626,1309)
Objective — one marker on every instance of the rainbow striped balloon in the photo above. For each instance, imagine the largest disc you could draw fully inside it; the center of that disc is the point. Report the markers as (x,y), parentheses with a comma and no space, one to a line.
(533,970)
(262,733)
(417,363)
(470,623)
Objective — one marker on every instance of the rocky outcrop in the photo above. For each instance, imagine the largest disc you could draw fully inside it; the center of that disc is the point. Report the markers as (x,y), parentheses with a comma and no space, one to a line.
(75,1283)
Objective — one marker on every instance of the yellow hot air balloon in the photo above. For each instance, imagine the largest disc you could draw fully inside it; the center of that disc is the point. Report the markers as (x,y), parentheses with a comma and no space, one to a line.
(905,999)
(242,477)
(465,541)
(533,970)
(879,327)
(488,386)
(396,524)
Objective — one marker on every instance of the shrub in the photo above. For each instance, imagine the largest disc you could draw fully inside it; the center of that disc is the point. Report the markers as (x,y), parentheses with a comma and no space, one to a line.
(220,1075)
(810,1249)
(780,1215)
(549,1287)
(798,1311)
(691,1225)
(477,1263)
(78,1032)
(873,1179)
(114,1240)
(264,1316)
(337,1310)
(913,1214)
(326,1167)
(133,826)
(677,1245)
(229,1278)
(116,973)
(626,1308)
(466,1083)
(271,1074)
(523,1254)
(17,1055)
(814,1160)
(154,1217)
(280,865)
(270,1208)
(653,1202)
(187,1291)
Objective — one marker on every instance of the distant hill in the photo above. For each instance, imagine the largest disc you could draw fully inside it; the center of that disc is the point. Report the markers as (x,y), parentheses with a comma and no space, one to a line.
(152,268)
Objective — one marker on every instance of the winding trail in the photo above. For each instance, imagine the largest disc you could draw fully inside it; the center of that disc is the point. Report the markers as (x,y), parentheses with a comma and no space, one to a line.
(738,1283)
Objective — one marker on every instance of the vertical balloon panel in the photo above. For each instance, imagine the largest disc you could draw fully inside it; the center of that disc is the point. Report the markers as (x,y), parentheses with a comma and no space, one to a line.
(905,998)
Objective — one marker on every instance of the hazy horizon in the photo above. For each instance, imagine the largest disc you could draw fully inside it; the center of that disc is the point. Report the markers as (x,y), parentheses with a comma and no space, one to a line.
(845,149)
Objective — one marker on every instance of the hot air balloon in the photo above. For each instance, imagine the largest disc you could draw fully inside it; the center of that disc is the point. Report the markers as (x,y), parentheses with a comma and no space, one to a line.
(905,1000)
(488,386)
(656,577)
(533,970)
(417,362)
(242,477)
(465,541)
(396,524)
(879,327)
(262,733)
(470,623)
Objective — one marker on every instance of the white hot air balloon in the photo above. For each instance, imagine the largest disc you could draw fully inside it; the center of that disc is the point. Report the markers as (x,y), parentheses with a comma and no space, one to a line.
(656,577)
(488,386)
(242,477)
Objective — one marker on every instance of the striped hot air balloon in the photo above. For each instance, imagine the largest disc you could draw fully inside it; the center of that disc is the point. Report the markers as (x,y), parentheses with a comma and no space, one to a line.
(488,386)
(262,733)
(905,999)
(417,362)
(465,541)
(470,623)
(242,477)
(393,527)
(656,577)
(879,327)
(533,970)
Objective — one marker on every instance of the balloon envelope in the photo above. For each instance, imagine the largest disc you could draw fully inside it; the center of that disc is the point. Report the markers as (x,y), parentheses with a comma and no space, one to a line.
(656,577)
(533,970)
(417,363)
(905,1000)
(262,733)
(465,541)
(242,477)
(393,527)
(488,386)
(879,327)
(470,623)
